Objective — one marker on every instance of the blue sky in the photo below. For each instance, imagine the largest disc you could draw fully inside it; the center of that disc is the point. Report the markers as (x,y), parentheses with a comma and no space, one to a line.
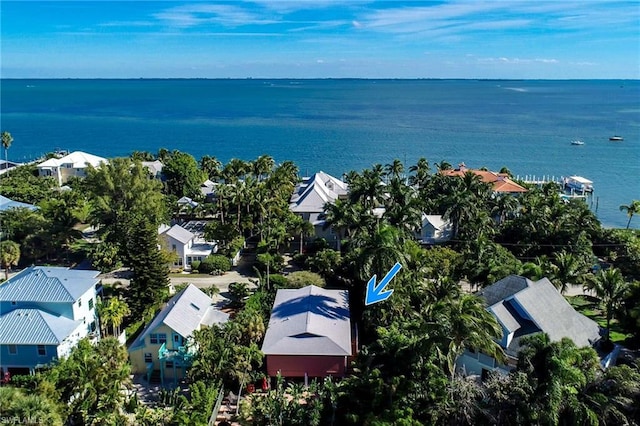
(321,38)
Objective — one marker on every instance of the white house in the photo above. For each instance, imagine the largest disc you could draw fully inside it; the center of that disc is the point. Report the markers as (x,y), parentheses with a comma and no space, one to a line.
(187,242)
(522,308)
(74,164)
(434,230)
(154,168)
(310,196)
(44,312)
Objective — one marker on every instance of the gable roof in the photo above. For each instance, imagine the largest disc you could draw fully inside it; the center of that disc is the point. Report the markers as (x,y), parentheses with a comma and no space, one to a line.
(309,321)
(154,167)
(314,192)
(34,327)
(78,159)
(177,232)
(7,203)
(185,313)
(525,307)
(48,284)
(500,182)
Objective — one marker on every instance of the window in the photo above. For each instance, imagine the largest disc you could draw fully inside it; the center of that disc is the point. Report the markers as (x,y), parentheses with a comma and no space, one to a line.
(90,303)
(148,357)
(162,338)
(173,247)
(13,349)
(79,303)
(153,339)
(42,350)
(176,338)
(169,364)
(14,303)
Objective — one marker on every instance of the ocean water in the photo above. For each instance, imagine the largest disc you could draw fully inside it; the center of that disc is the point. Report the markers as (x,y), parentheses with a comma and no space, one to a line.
(342,125)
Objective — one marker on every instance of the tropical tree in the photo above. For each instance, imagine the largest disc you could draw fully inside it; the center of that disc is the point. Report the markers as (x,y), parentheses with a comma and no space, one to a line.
(632,208)
(120,193)
(610,287)
(9,255)
(19,406)
(420,176)
(7,140)
(566,270)
(113,312)
(211,166)
(302,228)
(183,176)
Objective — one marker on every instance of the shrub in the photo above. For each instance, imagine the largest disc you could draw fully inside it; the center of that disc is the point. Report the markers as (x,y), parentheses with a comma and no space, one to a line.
(195,265)
(278,281)
(301,279)
(275,262)
(215,262)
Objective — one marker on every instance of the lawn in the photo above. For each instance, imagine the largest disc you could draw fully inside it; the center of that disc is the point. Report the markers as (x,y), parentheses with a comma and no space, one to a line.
(589,307)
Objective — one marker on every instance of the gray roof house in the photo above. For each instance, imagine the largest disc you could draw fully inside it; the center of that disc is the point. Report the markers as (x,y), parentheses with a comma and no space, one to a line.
(310,196)
(7,203)
(162,345)
(309,333)
(187,242)
(524,307)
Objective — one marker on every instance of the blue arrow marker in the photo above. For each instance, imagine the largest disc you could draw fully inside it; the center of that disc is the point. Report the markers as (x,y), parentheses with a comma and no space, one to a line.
(377,293)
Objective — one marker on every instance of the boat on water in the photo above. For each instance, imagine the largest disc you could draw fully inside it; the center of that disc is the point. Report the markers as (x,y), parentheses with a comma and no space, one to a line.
(577,142)
(616,138)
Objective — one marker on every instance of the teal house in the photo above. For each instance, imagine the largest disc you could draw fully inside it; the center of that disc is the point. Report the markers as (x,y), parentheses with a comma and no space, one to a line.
(44,312)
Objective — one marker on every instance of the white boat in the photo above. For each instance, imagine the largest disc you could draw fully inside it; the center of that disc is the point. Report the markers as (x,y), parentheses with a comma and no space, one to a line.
(577,142)
(578,184)
(616,138)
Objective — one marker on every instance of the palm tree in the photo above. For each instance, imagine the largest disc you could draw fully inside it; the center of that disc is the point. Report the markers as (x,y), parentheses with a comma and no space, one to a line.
(566,270)
(468,325)
(303,228)
(9,255)
(631,209)
(394,169)
(421,176)
(610,287)
(7,139)
(211,166)
(378,252)
(119,310)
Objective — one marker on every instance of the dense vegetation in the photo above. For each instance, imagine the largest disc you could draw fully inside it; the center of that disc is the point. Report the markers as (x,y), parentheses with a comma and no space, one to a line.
(405,371)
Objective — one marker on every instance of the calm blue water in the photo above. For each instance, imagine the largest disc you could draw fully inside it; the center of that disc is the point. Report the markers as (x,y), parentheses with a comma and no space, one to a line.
(342,125)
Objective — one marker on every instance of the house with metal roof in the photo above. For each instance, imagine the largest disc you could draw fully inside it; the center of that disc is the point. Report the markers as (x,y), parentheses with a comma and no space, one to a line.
(74,164)
(522,308)
(7,203)
(434,230)
(310,196)
(309,333)
(164,344)
(187,242)
(44,312)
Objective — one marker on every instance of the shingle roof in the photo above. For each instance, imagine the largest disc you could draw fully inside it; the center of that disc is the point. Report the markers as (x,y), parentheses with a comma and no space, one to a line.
(314,192)
(34,327)
(48,284)
(6,203)
(524,307)
(78,159)
(309,321)
(504,288)
(179,233)
(185,313)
